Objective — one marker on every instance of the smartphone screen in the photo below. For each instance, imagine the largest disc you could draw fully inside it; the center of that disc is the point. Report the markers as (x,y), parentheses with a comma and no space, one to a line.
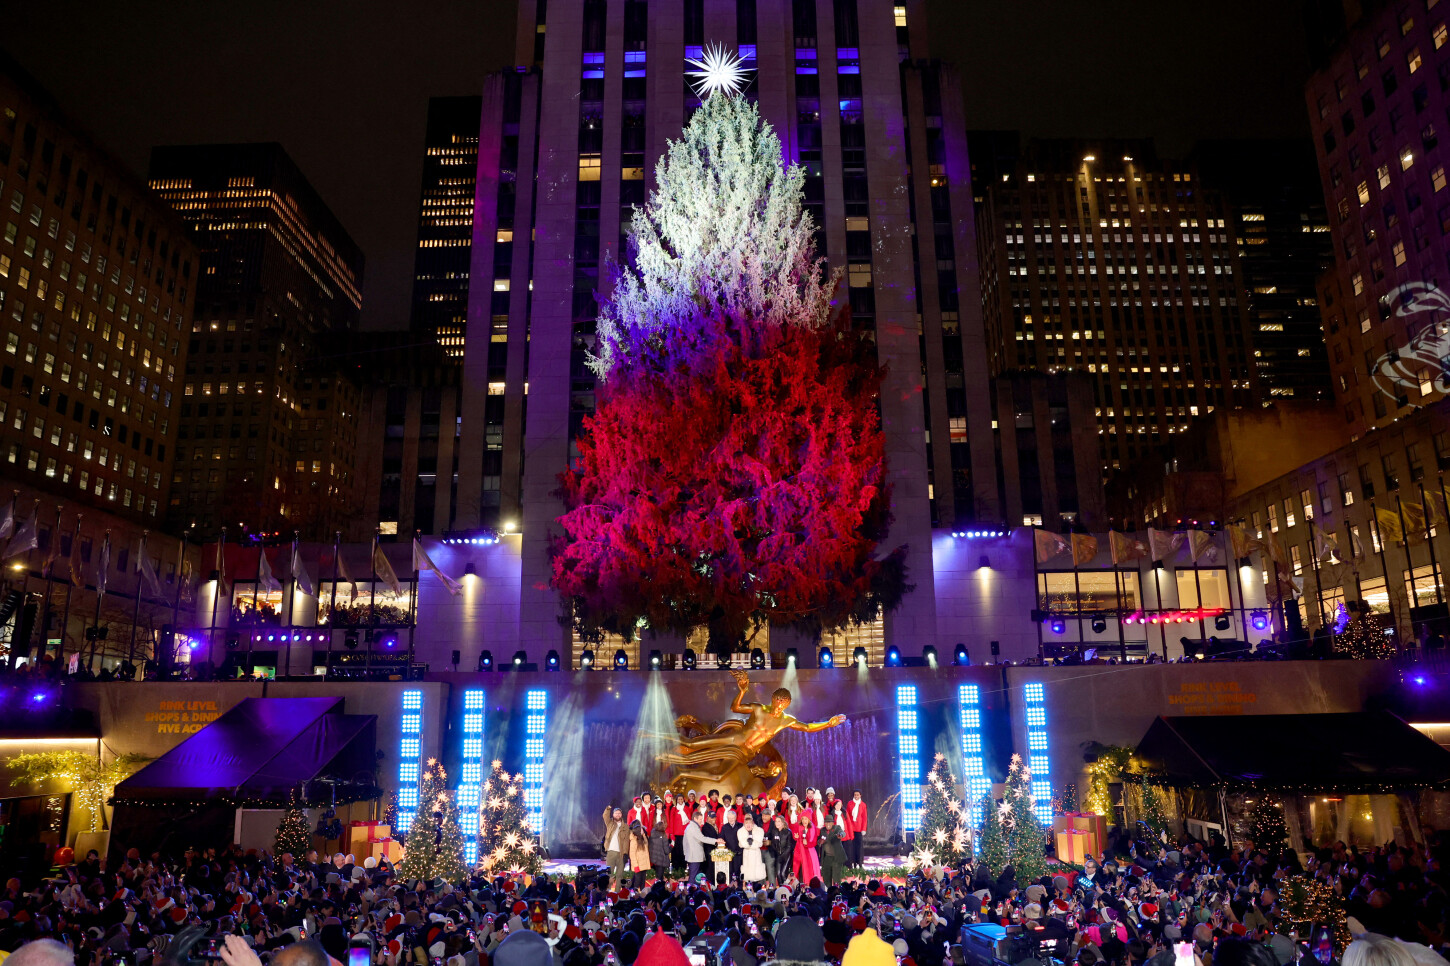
(359,956)
(1323,945)
(1183,954)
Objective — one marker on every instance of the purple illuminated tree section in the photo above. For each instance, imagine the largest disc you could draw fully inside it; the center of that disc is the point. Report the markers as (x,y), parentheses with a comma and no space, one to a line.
(734,472)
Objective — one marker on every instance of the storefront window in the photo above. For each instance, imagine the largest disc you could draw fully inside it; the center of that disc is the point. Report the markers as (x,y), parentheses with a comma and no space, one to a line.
(1093,591)
(366,609)
(1203,588)
(1423,586)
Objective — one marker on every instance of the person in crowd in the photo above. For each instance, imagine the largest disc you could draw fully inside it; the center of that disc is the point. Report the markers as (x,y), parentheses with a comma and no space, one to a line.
(639,859)
(832,856)
(752,841)
(780,851)
(806,864)
(697,846)
(659,847)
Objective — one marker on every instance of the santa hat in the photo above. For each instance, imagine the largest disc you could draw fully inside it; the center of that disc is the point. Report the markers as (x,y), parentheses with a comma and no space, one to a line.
(1060,906)
(702,914)
(392,922)
(573,932)
(519,907)
(1148,910)
(395,946)
(178,915)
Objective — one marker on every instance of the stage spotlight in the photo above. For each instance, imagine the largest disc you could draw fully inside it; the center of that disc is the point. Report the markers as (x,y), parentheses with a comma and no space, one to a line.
(390,642)
(791,654)
(621,660)
(38,697)
(1057,625)
(656,660)
(928,654)
(962,657)
(858,657)
(893,656)
(827,658)
(1260,621)
(757,659)
(586,659)
(349,641)
(519,658)
(485,660)
(689,659)
(1221,622)
(234,642)
(1099,625)
(551,661)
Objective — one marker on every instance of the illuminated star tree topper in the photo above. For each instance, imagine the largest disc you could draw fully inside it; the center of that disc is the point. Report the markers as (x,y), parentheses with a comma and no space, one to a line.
(718,69)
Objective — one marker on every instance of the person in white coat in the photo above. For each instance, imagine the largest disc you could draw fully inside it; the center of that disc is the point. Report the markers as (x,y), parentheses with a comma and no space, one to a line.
(751,838)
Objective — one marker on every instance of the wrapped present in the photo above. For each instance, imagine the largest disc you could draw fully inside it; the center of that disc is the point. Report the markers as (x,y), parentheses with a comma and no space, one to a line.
(1075,845)
(378,832)
(388,849)
(1090,822)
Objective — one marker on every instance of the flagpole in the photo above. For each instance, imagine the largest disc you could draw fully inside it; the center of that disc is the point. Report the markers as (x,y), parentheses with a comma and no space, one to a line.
(1237,567)
(1118,598)
(1314,552)
(1414,598)
(332,608)
(1044,600)
(1197,586)
(176,600)
(413,606)
(70,592)
(1158,602)
(216,596)
(372,603)
(1379,538)
(100,597)
(1425,508)
(45,608)
(1077,595)
(292,597)
(136,607)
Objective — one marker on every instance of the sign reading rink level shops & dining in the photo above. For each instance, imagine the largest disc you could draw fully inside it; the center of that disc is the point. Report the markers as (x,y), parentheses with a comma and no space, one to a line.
(1211,697)
(183,717)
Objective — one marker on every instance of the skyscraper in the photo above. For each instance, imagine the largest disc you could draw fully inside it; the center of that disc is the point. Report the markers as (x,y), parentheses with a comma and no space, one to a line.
(568,142)
(1376,106)
(1099,257)
(445,222)
(268,418)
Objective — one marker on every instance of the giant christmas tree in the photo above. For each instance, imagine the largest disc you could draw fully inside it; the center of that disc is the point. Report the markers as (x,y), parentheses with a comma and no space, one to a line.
(942,831)
(506,843)
(435,842)
(1026,837)
(734,472)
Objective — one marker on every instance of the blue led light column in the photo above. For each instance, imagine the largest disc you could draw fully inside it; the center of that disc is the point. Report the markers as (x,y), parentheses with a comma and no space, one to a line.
(974,770)
(908,756)
(536,723)
(410,748)
(1037,748)
(470,778)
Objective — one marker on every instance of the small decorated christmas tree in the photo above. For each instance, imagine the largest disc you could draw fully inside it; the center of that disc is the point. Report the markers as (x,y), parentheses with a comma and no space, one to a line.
(1363,639)
(1068,802)
(942,832)
(1153,820)
(991,839)
(506,843)
(1265,826)
(294,834)
(435,842)
(1025,838)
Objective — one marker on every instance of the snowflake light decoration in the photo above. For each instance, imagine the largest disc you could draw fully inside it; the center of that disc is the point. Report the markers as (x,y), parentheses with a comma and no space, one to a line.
(718,69)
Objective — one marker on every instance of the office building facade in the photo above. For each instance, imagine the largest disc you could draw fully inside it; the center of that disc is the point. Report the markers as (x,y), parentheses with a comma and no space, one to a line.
(268,436)
(445,222)
(568,143)
(1099,258)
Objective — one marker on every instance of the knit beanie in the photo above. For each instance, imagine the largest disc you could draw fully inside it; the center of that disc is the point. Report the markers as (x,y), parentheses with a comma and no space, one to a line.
(662,949)
(800,940)
(868,949)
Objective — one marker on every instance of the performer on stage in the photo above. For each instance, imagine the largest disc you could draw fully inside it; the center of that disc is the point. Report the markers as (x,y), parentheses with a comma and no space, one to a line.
(856,819)
(806,864)
(780,850)
(751,838)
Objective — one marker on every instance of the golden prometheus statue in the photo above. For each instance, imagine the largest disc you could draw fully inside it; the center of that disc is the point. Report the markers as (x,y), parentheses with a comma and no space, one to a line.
(736,757)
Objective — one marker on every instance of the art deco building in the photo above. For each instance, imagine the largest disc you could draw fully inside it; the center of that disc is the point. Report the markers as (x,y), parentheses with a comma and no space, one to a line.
(268,415)
(1377,106)
(568,143)
(1099,258)
(445,221)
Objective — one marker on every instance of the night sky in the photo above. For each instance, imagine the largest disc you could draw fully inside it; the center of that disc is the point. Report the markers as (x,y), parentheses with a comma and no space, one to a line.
(344,84)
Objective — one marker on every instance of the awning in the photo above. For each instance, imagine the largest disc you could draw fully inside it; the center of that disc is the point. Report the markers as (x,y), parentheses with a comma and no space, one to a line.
(263,752)
(1366,751)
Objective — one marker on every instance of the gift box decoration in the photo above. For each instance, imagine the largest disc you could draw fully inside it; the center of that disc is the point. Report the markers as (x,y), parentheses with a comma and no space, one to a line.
(1075,845)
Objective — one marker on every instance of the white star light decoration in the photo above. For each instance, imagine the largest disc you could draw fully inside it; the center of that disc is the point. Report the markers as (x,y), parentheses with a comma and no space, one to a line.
(718,70)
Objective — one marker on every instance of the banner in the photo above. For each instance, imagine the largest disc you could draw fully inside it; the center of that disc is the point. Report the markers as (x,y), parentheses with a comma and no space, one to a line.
(1047,544)
(1240,542)
(265,579)
(1389,524)
(1163,543)
(103,566)
(148,573)
(1084,549)
(343,575)
(1201,546)
(300,578)
(26,538)
(1328,545)
(1414,516)
(77,578)
(384,570)
(1125,548)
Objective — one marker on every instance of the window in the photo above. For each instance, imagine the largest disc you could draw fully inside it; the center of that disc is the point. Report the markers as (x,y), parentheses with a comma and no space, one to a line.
(1407,159)
(1326,502)
(1289,514)
(1362,191)
(1392,479)
(1412,60)
(1437,178)
(1296,559)
(1423,586)
(1383,174)
(1399,252)
(1307,502)
(1087,591)
(1207,589)
(1273,518)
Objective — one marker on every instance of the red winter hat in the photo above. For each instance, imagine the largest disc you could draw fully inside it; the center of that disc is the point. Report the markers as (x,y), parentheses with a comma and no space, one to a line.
(649,914)
(178,914)
(395,946)
(661,949)
(859,923)
(519,908)
(702,914)
(1238,929)
(573,932)
(392,922)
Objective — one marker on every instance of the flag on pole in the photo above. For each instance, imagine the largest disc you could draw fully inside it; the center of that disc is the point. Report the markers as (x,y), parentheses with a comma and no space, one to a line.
(1276,549)
(224,586)
(26,538)
(1389,524)
(1328,545)
(265,580)
(1163,543)
(384,570)
(1356,545)
(1414,515)
(300,577)
(77,578)
(1125,548)
(1084,549)
(7,519)
(343,575)
(53,554)
(148,572)
(1047,544)
(103,566)
(1201,546)
(422,562)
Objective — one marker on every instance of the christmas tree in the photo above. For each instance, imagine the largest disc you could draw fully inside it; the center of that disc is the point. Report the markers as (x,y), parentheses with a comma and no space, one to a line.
(1154,822)
(1265,826)
(991,839)
(435,842)
(1363,639)
(294,834)
(506,843)
(734,471)
(1025,838)
(942,831)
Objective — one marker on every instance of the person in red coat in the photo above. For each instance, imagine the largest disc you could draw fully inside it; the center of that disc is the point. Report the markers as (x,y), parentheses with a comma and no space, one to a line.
(677,816)
(855,816)
(642,811)
(806,864)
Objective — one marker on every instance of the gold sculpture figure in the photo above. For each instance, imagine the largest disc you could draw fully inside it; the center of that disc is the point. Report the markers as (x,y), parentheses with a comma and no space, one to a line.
(725,757)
